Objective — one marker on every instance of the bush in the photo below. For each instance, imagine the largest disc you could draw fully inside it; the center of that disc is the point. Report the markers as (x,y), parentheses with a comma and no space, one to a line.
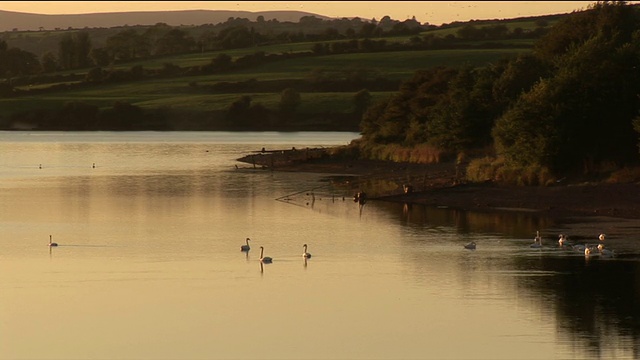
(625,175)
(494,169)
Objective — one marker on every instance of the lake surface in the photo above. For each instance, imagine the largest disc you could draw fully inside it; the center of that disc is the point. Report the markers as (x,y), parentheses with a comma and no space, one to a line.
(149,263)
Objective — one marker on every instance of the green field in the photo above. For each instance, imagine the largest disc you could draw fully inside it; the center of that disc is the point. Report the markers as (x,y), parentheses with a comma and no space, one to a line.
(193,97)
(178,94)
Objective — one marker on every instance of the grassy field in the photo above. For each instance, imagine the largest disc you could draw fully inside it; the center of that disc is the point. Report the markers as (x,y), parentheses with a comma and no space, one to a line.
(177,93)
(526,24)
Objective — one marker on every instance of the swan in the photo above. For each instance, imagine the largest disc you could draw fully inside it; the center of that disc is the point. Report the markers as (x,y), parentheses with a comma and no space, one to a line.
(264,259)
(605,252)
(470,246)
(305,254)
(246,247)
(562,240)
(51,243)
(537,241)
(579,247)
(587,250)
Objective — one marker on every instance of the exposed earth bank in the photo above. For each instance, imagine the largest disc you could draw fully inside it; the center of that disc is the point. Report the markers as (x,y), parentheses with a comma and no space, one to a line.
(437,185)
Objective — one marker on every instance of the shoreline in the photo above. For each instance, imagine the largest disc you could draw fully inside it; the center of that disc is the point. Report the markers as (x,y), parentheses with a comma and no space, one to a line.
(437,185)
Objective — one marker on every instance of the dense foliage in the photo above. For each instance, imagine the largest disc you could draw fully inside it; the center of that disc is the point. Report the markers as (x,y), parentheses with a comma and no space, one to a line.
(569,105)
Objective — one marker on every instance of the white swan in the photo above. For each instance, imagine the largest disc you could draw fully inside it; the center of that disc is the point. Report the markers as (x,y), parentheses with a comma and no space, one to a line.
(579,247)
(470,246)
(587,250)
(246,247)
(537,241)
(51,243)
(264,259)
(563,241)
(305,254)
(605,252)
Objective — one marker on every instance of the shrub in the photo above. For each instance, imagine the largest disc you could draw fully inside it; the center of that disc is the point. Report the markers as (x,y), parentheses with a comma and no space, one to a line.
(495,169)
(625,175)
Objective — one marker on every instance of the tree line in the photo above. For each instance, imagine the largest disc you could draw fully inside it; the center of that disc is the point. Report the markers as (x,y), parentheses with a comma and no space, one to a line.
(242,114)
(77,49)
(569,105)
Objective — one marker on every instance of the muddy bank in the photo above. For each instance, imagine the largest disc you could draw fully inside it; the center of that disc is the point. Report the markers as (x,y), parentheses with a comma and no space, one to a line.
(439,185)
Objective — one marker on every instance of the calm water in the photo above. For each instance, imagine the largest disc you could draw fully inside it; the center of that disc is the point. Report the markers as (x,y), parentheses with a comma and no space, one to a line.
(149,264)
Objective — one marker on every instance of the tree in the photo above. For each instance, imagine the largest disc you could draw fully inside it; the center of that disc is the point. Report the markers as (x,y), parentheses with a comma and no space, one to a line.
(519,75)
(461,119)
(175,41)
(221,62)
(82,47)
(208,40)
(236,37)
(122,116)
(76,115)
(16,62)
(100,56)
(636,127)
(48,62)
(367,30)
(94,75)
(470,32)
(608,18)
(127,45)
(361,100)
(238,114)
(73,50)
(66,52)
(588,99)
(289,101)
(526,134)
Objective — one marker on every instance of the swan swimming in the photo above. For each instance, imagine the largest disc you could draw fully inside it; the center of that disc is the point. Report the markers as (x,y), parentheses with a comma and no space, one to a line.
(305,254)
(605,252)
(51,243)
(588,250)
(264,259)
(246,247)
(564,243)
(537,241)
(579,247)
(470,246)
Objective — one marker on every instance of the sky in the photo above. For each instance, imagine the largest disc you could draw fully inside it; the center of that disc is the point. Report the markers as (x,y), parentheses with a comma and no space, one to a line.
(432,12)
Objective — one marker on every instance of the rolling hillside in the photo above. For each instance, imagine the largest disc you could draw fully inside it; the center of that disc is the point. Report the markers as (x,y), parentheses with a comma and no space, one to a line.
(10,21)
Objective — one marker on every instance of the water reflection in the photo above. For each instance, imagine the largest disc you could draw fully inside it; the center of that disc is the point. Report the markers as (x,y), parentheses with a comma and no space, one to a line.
(595,299)
(153,232)
(514,224)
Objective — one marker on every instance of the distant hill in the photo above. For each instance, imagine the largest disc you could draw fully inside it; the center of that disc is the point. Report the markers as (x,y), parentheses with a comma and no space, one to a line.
(10,20)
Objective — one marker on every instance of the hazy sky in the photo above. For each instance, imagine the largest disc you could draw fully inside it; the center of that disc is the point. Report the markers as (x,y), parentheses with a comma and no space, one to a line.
(433,12)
